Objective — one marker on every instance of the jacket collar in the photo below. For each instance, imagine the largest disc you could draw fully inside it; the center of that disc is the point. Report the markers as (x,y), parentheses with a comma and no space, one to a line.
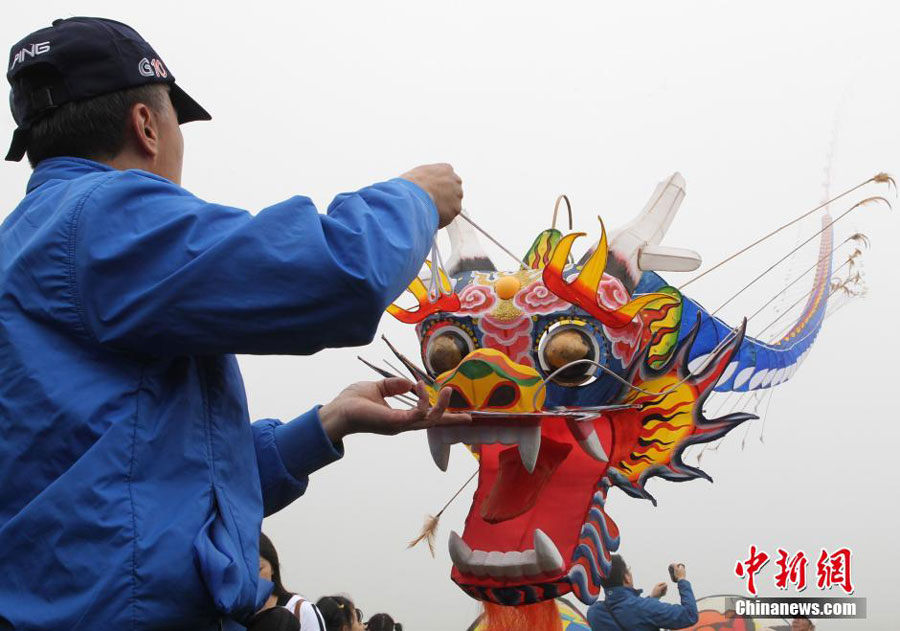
(622,592)
(63,169)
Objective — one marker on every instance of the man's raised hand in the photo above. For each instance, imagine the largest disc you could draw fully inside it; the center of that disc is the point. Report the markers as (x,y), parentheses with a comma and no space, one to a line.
(444,186)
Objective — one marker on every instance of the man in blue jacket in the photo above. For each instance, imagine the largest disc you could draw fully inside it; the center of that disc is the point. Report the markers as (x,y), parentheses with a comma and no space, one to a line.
(133,484)
(625,610)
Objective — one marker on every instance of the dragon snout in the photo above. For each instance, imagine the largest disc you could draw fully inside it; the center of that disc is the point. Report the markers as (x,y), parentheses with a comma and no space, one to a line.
(488,381)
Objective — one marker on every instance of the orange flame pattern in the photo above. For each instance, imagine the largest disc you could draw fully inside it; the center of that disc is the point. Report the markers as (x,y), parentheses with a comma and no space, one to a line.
(583,290)
(444,302)
(651,438)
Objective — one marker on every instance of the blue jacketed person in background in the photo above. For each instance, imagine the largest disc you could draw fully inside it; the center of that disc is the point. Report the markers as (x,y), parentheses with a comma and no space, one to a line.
(624,609)
(133,484)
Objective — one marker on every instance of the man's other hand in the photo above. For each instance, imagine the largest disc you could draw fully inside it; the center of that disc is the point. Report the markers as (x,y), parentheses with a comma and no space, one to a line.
(362,408)
(659,590)
(444,186)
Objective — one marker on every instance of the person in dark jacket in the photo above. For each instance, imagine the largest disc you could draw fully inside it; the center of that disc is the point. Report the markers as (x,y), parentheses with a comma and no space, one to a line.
(625,610)
(134,484)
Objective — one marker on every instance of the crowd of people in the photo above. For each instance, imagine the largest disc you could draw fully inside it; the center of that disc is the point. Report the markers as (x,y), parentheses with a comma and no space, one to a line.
(288,611)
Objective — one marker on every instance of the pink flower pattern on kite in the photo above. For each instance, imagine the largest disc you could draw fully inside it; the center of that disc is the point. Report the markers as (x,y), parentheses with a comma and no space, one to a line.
(624,342)
(476,299)
(536,298)
(512,337)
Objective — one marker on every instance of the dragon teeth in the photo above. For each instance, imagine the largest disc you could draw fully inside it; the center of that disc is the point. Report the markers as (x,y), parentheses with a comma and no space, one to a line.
(529,446)
(440,451)
(548,556)
(543,559)
(528,440)
(592,447)
(460,552)
(586,436)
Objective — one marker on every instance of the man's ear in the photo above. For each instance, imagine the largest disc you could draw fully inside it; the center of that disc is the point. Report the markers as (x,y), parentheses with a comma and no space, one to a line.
(144,130)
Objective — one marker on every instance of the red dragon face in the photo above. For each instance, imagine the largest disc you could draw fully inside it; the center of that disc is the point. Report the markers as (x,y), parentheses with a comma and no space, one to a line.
(537,527)
(574,386)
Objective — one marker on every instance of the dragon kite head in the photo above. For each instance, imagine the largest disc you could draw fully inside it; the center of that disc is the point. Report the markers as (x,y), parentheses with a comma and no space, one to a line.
(580,376)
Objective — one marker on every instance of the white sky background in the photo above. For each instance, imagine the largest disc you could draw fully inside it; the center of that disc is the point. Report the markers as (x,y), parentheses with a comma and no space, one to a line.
(601,103)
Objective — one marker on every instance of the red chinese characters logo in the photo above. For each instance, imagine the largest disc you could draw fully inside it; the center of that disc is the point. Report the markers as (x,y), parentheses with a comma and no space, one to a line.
(751,567)
(791,570)
(832,570)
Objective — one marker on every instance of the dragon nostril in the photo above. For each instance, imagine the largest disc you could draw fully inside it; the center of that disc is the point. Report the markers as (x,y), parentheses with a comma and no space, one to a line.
(502,396)
(458,401)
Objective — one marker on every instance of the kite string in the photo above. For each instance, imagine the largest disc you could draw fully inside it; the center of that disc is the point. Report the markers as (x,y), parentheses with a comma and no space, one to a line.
(786,256)
(879,178)
(436,288)
(431,521)
(800,277)
(455,495)
(492,239)
(800,300)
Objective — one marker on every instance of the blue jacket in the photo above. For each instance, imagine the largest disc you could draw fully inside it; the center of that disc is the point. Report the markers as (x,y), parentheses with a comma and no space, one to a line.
(132,484)
(642,614)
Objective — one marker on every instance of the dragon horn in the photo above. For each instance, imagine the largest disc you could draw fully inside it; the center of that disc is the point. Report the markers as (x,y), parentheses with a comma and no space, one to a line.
(583,290)
(444,301)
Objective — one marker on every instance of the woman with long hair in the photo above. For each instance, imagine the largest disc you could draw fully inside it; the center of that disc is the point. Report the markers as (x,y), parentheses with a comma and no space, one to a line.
(270,569)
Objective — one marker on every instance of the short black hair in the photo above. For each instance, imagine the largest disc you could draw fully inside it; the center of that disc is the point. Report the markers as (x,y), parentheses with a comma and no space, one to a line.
(383,622)
(617,571)
(338,612)
(93,128)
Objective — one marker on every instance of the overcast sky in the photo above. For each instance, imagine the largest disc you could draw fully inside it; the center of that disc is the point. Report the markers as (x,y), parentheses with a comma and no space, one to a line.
(751,102)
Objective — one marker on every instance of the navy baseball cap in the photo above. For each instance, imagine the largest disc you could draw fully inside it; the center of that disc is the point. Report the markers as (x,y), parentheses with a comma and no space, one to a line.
(80,58)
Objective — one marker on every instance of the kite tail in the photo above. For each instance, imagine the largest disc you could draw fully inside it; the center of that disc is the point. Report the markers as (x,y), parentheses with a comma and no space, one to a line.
(759,364)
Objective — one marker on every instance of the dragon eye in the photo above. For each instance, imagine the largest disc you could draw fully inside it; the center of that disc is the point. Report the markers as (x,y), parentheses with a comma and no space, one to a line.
(446,349)
(564,344)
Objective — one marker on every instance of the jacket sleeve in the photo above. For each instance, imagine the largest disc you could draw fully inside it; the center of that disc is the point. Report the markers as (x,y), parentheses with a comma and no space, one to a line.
(286,455)
(157,270)
(673,616)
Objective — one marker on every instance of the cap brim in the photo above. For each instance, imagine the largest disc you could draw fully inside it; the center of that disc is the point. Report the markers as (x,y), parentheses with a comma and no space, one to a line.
(18,145)
(187,108)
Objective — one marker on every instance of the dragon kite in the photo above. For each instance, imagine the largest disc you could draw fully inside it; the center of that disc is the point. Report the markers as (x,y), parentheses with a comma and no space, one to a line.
(581,376)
